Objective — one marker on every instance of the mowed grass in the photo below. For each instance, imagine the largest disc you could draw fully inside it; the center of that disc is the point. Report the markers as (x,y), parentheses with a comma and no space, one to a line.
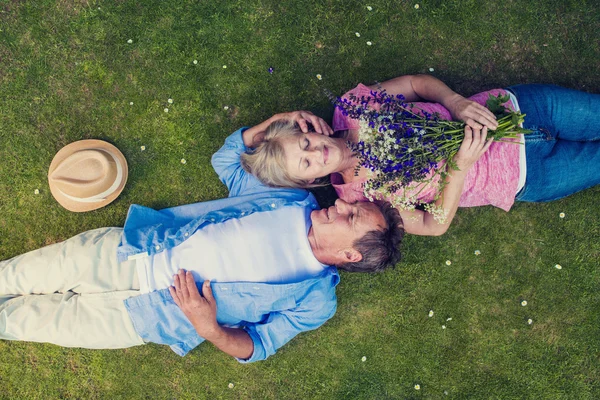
(67,72)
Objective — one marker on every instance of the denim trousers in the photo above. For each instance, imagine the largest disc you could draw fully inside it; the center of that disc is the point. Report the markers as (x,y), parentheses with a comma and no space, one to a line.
(563,150)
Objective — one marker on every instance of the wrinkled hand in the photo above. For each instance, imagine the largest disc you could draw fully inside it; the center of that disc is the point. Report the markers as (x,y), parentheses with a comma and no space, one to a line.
(473,114)
(304,117)
(474,145)
(200,310)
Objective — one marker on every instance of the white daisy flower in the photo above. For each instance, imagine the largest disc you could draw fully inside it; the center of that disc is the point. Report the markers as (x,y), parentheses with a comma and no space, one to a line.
(477,252)
(561,215)
(170,101)
(448,319)
(130,41)
(195,61)
(524,303)
(166,110)
(369,43)
(224,66)
(357,34)
(431,69)
(416,6)
(369,8)
(319,77)
(142,148)
(448,262)
(230,386)
(183,161)
(36,191)
(443,326)
(131,103)
(363,359)
(430,313)
(226,108)
(417,387)
(558,266)
(529,321)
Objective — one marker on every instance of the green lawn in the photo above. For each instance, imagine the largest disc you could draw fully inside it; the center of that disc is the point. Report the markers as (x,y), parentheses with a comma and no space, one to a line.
(67,72)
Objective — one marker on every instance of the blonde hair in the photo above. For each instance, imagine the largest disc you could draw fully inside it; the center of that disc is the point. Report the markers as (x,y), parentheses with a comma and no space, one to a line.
(267,160)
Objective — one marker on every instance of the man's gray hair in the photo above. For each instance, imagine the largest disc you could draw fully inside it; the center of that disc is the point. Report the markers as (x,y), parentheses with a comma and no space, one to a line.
(380,249)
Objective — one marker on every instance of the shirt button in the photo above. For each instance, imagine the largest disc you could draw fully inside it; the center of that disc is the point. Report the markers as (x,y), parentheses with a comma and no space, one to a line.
(212,220)
(273,205)
(243,213)
(157,247)
(186,234)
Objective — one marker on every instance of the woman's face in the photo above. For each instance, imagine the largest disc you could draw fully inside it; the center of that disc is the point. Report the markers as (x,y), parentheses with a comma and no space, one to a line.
(311,155)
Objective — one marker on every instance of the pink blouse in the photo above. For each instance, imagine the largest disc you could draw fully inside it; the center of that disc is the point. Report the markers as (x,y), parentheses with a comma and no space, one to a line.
(492,180)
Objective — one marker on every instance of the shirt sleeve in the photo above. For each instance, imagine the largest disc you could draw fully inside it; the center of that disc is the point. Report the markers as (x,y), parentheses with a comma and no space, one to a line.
(227,164)
(280,327)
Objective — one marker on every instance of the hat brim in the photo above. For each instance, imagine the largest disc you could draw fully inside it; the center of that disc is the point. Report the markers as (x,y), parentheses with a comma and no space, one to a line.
(76,206)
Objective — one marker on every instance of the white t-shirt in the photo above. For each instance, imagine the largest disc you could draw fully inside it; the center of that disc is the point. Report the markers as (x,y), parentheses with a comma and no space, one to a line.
(522,159)
(268,247)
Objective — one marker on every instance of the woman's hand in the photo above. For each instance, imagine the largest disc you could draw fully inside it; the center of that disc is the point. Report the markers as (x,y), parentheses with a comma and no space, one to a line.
(473,114)
(302,118)
(472,148)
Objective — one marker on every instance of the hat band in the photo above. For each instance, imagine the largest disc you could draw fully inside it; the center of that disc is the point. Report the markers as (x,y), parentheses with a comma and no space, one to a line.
(109,191)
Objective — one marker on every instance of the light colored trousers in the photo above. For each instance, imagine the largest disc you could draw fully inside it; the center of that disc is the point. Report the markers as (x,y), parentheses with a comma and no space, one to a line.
(70,294)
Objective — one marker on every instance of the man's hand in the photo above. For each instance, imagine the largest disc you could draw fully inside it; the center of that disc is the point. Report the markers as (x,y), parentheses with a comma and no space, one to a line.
(200,310)
(304,117)
(254,136)
(473,114)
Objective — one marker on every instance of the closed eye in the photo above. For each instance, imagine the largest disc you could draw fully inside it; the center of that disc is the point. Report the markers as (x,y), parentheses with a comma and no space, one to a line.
(306,144)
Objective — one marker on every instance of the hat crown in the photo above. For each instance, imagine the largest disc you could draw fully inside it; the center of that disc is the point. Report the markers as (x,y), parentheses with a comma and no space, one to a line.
(85,174)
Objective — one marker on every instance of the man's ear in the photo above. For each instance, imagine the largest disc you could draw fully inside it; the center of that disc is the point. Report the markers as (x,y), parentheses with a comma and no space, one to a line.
(352,255)
(310,181)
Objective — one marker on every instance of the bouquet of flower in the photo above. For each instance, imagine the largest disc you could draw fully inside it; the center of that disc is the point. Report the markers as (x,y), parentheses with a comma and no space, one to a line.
(407,149)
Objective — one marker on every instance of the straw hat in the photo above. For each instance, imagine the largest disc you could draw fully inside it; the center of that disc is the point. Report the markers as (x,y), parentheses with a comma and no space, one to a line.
(87,174)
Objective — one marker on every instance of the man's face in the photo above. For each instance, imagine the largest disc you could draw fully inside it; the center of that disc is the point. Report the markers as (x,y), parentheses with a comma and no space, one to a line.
(335,229)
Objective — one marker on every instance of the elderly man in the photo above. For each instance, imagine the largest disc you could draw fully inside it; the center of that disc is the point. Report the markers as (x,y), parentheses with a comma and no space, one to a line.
(269,253)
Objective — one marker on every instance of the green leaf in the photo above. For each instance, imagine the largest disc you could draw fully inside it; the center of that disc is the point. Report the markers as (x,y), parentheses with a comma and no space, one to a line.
(496,104)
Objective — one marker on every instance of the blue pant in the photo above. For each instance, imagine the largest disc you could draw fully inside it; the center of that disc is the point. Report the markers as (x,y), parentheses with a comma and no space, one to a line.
(563,151)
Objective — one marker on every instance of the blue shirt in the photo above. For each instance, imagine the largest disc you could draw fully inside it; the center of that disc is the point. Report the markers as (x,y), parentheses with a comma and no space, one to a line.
(271,314)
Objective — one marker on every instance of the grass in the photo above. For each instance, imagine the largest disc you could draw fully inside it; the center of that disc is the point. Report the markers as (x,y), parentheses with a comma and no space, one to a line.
(67,72)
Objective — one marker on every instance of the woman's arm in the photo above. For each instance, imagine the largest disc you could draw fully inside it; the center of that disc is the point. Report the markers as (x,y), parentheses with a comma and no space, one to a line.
(419,222)
(426,87)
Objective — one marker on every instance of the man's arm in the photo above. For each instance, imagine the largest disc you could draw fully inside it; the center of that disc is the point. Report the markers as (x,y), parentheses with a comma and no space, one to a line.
(226,161)
(202,313)
(429,88)
(254,136)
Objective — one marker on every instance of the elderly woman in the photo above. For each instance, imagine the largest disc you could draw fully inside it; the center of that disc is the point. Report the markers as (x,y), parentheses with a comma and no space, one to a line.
(560,157)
